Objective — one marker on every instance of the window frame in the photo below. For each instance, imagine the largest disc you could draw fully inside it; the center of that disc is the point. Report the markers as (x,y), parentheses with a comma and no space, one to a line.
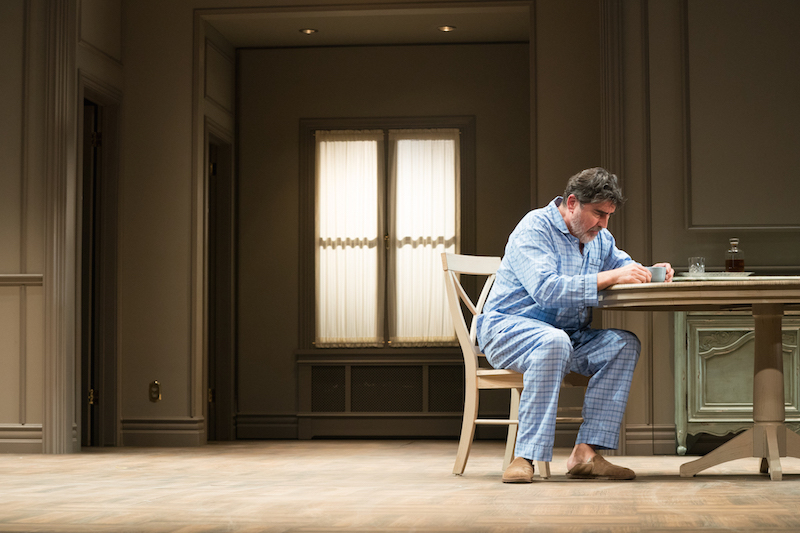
(307,168)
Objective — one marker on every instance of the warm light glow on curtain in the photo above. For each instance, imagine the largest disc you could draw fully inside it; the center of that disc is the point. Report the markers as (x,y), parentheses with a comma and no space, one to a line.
(350,265)
(423,220)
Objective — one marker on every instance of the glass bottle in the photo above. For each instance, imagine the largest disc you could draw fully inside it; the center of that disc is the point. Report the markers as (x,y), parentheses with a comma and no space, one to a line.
(734,258)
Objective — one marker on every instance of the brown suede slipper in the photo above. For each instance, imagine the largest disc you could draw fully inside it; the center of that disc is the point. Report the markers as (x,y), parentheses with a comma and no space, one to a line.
(599,468)
(519,471)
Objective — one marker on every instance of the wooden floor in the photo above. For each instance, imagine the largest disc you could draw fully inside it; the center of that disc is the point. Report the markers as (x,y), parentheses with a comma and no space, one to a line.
(388,485)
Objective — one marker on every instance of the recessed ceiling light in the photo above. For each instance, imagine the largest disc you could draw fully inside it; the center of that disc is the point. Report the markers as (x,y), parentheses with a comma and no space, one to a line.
(446,28)
(308,31)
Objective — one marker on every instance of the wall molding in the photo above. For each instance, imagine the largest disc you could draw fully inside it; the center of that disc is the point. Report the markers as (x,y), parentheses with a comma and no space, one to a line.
(163,432)
(686,55)
(198,335)
(612,120)
(91,46)
(58,431)
(612,135)
(21,280)
(218,106)
(534,141)
(20,438)
(213,47)
(93,82)
(94,50)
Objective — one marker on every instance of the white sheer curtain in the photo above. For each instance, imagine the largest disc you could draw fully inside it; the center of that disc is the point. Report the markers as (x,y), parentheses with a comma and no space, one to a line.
(350,264)
(424,183)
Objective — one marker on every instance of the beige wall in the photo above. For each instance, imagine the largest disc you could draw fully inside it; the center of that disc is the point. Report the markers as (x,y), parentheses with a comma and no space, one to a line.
(705,132)
(27,160)
(12,35)
(161,233)
(278,88)
(567,72)
(161,206)
(21,229)
(743,126)
(155,210)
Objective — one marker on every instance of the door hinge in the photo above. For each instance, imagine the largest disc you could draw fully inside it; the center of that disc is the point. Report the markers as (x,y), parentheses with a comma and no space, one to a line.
(91,397)
(210,395)
(97,139)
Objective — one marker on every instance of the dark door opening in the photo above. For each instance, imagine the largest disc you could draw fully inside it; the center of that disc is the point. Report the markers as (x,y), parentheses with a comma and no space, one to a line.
(221,264)
(98,277)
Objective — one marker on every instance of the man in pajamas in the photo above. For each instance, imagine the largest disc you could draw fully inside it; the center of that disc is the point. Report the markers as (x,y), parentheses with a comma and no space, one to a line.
(536,322)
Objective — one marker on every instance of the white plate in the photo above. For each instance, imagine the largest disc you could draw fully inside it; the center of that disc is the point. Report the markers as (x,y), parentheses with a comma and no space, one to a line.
(711,275)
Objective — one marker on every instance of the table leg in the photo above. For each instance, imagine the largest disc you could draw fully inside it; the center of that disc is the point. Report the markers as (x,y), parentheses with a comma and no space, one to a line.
(769,438)
(774,453)
(737,448)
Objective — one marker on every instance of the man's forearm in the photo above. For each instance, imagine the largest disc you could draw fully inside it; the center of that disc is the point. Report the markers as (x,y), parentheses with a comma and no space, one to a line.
(606,279)
(630,273)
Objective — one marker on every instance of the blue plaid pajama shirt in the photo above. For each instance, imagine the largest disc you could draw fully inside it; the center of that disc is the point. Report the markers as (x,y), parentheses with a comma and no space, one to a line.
(536,322)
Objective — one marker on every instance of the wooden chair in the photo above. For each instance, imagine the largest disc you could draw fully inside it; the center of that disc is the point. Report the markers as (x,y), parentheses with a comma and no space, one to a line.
(477,378)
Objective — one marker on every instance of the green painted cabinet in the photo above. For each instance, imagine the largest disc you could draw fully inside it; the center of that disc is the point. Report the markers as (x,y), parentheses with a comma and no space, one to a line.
(714,373)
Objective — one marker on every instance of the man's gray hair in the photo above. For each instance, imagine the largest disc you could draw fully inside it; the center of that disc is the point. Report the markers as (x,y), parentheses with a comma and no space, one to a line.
(595,185)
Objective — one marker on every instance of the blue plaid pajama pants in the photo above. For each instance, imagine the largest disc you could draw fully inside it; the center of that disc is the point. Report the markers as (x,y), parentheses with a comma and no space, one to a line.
(544,354)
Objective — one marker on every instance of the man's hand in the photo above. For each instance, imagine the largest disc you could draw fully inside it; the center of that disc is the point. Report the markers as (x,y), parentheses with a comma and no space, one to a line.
(670,270)
(631,273)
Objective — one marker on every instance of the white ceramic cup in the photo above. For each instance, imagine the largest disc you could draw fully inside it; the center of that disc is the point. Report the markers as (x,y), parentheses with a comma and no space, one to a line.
(659,274)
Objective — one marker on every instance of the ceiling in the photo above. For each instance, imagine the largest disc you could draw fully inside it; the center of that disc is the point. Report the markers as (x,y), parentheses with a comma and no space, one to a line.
(481,22)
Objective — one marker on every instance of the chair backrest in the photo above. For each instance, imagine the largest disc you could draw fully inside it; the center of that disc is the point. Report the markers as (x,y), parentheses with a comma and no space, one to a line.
(454,265)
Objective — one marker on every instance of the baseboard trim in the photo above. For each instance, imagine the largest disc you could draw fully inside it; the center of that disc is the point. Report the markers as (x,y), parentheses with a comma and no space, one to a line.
(254,426)
(19,438)
(172,432)
(647,439)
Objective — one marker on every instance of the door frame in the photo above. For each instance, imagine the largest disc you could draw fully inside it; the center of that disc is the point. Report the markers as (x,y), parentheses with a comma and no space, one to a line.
(105,322)
(220,308)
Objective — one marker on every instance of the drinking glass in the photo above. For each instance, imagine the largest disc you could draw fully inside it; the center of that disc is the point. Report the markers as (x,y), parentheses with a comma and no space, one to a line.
(697,265)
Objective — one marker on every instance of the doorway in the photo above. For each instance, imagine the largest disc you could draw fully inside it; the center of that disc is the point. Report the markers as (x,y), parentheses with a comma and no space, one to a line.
(221,296)
(98,294)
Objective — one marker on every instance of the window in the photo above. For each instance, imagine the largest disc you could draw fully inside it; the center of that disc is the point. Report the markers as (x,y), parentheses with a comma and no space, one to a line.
(350,270)
(386,204)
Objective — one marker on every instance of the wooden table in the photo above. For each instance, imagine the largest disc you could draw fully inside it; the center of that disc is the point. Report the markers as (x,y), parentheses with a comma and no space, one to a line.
(766,297)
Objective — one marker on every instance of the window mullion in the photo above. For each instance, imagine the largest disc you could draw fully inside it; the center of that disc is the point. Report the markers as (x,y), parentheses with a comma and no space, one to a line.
(384,189)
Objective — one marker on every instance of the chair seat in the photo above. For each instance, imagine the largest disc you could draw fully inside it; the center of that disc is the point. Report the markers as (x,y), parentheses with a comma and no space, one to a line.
(491,378)
(496,372)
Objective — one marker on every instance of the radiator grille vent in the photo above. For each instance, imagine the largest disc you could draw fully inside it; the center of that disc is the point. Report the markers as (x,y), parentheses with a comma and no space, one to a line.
(390,389)
(328,390)
(445,388)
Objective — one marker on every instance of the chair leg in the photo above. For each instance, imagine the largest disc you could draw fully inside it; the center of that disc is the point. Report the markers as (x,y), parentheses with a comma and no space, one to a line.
(544,469)
(511,440)
(467,429)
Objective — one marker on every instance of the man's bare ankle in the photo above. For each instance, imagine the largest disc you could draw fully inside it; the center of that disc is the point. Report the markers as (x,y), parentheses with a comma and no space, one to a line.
(581,453)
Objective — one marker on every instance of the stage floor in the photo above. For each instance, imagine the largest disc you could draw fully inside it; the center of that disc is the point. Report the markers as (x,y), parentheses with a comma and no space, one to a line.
(374,485)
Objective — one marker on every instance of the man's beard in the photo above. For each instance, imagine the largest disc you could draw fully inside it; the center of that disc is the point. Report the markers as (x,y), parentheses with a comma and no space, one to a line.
(580,231)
